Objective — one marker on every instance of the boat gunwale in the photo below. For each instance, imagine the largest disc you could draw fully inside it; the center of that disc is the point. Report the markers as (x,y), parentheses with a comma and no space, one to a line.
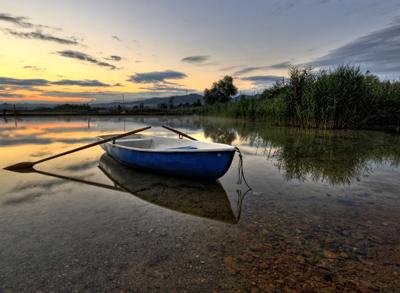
(226,148)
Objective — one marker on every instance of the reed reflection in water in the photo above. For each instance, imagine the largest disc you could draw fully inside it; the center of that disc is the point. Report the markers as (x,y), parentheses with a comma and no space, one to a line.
(336,157)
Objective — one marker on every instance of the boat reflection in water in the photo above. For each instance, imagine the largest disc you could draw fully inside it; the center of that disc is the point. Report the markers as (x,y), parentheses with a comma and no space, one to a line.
(206,199)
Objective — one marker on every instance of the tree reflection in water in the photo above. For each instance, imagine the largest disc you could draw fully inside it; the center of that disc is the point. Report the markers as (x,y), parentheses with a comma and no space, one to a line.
(336,157)
(220,135)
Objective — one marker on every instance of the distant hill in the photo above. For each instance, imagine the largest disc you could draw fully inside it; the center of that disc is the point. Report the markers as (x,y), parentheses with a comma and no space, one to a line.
(24,106)
(151,102)
(247,97)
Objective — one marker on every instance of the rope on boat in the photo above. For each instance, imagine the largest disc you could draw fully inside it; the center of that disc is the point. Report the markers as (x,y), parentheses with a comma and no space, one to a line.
(241,176)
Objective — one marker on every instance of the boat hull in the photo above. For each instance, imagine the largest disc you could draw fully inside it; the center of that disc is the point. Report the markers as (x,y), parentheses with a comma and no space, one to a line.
(208,165)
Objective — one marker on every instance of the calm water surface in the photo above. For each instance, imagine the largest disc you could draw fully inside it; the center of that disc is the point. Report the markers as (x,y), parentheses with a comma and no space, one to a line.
(323,215)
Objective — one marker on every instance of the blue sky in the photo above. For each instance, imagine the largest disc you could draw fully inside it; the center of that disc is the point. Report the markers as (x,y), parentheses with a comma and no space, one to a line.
(97,50)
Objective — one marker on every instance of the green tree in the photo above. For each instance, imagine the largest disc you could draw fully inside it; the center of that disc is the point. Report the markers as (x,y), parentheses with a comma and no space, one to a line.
(220,91)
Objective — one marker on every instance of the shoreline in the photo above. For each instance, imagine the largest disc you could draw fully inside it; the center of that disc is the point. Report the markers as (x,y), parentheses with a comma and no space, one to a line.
(94,114)
(390,128)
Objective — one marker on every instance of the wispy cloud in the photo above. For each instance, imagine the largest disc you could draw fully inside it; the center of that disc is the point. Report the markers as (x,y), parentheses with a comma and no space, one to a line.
(17,20)
(23,82)
(159,81)
(33,67)
(114,58)
(165,87)
(38,35)
(230,68)
(8,96)
(44,82)
(22,22)
(262,79)
(116,38)
(71,94)
(85,83)
(378,51)
(245,70)
(156,76)
(85,57)
(199,59)
(282,65)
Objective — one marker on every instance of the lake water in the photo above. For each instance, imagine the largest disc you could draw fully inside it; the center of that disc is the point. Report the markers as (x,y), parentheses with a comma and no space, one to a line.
(323,212)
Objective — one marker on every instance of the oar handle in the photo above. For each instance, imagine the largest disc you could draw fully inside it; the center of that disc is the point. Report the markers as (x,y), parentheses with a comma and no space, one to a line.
(179,132)
(92,144)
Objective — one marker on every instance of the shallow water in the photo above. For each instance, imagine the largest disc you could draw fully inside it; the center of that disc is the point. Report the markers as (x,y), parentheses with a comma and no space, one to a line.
(324,212)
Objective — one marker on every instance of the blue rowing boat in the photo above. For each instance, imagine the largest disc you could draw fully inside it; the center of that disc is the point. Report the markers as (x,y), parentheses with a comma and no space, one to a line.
(176,157)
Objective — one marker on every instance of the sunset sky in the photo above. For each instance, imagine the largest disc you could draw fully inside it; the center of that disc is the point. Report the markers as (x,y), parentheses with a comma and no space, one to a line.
(94,51)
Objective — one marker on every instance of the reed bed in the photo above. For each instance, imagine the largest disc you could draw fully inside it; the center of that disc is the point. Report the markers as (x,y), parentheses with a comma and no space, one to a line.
(339,98)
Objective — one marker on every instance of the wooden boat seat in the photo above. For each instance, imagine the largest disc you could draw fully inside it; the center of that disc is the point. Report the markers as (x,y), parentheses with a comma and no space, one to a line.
(137,143)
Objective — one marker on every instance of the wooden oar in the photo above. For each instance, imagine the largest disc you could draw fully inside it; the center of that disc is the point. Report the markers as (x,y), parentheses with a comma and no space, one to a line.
(27,166)
(178,132)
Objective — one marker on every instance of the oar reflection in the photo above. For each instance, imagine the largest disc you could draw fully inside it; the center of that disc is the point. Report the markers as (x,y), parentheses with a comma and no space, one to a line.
(202,199)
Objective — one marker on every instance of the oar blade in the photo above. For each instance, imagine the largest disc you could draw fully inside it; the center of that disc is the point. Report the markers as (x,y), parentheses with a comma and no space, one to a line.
(28,166)
(21,167)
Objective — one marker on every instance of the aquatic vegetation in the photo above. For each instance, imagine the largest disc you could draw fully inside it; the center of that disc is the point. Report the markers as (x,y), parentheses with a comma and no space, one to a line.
(340,98)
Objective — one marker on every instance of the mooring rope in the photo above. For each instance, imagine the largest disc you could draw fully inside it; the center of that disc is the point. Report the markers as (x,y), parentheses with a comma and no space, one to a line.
(241,169)
(240,198)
